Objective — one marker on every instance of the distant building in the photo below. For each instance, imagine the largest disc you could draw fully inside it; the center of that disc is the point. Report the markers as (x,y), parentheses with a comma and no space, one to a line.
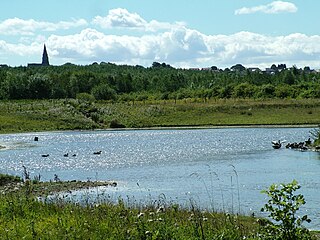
(254,69)
(206,69)
(281,67)
(270,71)
(45,59)
(275,69)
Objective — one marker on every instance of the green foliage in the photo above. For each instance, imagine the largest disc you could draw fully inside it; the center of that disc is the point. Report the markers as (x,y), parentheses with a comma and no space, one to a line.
(103,92)
(85,97)
(244,90)
(7,179)
(108,81)
(316,135)
(266,91)
(282,206)
(39,86)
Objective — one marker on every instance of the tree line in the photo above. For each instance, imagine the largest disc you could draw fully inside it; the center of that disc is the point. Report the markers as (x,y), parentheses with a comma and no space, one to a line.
(107,81)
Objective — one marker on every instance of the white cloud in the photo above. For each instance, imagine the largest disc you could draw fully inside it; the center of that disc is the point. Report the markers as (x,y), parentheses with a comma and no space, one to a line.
(20,49)
(272,8)
(17,26)
(122,18)
(179,47)
(185,48)
(91,45)
(174,44)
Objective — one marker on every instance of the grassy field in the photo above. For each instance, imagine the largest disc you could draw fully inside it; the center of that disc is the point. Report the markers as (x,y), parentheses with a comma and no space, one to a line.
(46,115)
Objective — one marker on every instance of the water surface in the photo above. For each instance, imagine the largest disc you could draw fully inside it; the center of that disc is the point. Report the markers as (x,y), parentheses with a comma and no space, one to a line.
(223,168)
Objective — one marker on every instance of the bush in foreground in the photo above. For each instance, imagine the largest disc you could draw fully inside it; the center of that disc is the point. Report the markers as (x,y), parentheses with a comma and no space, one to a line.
(282,207)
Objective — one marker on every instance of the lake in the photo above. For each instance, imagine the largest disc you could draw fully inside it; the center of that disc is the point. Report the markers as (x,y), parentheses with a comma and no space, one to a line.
(221,168)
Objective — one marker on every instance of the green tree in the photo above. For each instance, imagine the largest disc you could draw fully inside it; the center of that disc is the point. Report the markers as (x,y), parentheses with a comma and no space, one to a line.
(244,90)
(226,92)
(284,91)
(3,85)
(103,92)
(124,83)
(289,78)
(17,86)
(39,86)
(266,91)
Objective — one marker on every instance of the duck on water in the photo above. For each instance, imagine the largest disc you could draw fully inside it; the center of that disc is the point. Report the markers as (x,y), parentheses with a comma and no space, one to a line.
(276,144)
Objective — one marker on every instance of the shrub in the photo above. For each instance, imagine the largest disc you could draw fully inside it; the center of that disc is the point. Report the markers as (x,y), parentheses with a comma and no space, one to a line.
(103,92)
(116,124)
(282,207)
(85,97)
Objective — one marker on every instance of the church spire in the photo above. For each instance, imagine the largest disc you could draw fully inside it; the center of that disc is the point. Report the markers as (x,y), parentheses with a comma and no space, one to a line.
(45,58)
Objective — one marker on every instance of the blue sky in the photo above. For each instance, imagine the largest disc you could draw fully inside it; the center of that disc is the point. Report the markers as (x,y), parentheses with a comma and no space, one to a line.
(183,33)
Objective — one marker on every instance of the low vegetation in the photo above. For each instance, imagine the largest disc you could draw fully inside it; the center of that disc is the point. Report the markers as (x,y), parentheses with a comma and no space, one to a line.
(23,216)
(70,114)
(8,179)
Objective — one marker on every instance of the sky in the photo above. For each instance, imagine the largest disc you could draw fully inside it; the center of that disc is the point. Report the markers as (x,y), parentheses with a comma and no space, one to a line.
(182,33)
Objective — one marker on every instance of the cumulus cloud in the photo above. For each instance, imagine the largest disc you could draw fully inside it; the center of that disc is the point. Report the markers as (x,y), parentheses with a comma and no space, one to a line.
(19,49)
(180,47)
(174,44)
(272,8)
(122,18)
(17,26)
(184,47)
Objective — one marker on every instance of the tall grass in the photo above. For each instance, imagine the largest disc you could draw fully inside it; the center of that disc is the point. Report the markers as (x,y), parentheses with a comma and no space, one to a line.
(23,217)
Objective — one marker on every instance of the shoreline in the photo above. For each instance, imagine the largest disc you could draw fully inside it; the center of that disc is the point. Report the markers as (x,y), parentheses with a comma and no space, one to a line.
(177,128)
(221,126)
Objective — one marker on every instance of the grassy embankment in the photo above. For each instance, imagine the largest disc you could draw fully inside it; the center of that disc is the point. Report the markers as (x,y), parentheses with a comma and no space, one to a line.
(46,115)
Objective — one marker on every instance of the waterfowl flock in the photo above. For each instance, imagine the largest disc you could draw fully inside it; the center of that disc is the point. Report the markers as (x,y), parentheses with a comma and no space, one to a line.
(303,146)
(73,155)
(66,154)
